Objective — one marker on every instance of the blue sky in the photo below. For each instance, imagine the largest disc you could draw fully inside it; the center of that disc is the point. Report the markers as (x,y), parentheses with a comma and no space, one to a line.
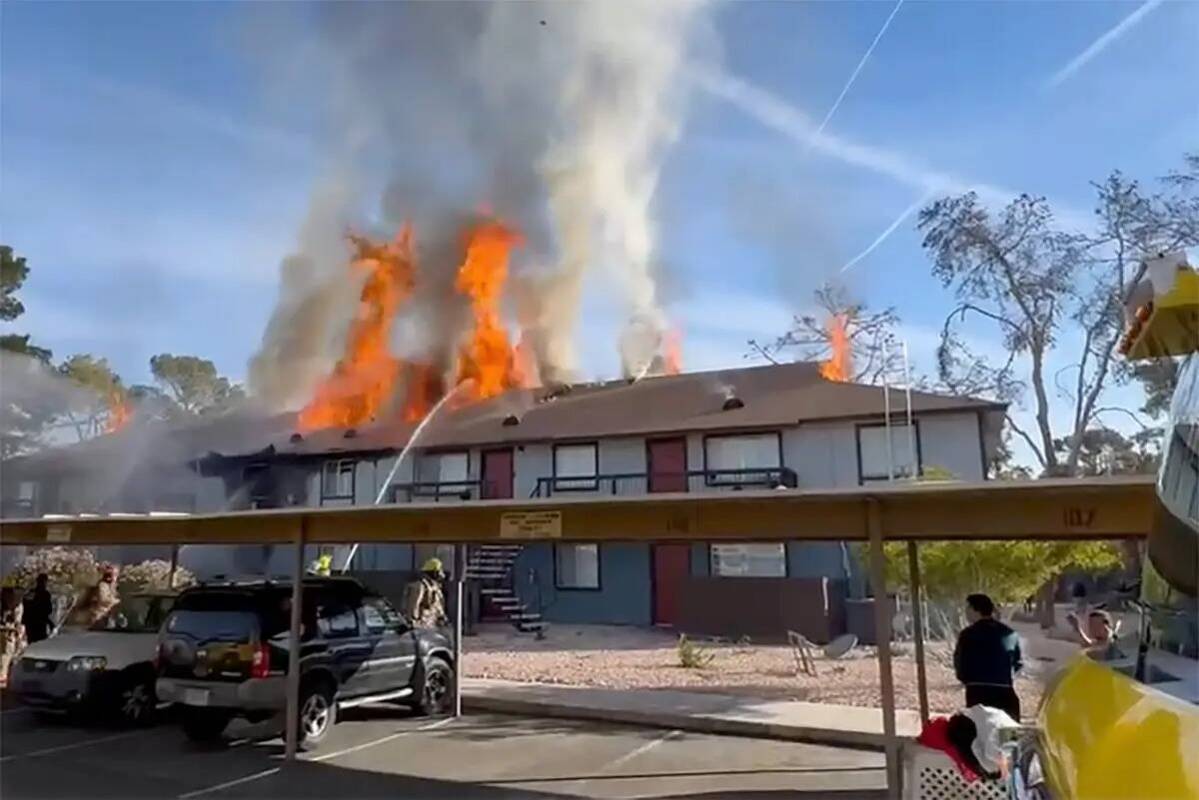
(154,184)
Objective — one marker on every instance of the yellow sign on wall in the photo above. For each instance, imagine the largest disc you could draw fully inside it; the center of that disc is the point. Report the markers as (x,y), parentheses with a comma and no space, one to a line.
(531,525)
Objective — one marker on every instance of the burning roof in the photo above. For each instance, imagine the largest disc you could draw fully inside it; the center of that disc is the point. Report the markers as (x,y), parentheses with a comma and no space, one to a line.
(767,397)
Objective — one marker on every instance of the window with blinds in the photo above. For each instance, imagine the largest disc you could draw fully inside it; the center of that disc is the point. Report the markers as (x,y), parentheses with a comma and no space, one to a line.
(576,467)
(576,566)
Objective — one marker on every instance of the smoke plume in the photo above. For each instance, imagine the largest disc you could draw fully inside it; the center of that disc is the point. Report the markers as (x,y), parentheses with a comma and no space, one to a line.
(554,117)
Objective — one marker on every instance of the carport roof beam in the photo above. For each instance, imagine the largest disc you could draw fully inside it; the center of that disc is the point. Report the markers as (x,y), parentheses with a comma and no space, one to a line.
(1058,509)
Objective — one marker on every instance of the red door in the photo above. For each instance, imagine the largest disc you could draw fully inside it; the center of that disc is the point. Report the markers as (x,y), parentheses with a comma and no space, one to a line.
(497,475)
(668,465)
(672,563)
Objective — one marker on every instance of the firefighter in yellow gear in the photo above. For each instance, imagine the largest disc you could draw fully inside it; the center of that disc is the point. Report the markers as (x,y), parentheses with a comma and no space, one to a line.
(424,598)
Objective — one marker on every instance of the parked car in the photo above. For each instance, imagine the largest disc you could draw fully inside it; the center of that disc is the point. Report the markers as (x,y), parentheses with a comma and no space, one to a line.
(223,653)
(107,668)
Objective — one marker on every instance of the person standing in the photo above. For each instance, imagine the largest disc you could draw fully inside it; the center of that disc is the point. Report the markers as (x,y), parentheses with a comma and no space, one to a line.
(424,599)
(98,601)
(1100,637)
(12,631)
(39,610)
(987,658)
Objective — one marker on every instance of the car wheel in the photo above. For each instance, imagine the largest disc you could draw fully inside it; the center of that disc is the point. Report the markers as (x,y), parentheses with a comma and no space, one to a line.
(435,692)
(204,724)
(136,700)
(318,713)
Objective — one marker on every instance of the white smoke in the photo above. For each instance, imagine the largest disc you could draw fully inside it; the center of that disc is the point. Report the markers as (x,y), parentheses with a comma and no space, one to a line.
(556,117)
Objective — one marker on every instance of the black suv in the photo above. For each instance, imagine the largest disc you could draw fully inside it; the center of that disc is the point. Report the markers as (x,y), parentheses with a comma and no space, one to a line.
(223,652)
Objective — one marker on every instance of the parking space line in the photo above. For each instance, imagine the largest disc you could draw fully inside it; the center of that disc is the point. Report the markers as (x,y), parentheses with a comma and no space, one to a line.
(72,746)
(381,740)
(229,784)
(642,750)
(266,773)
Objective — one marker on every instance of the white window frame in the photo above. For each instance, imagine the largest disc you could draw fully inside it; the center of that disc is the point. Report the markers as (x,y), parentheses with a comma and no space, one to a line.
(738,560)
(460,476)
(340,469)
(576,480)
(588,581)
(774,462)
(901,443)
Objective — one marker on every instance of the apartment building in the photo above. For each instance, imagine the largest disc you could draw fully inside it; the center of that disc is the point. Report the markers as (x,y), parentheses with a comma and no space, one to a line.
(777,426)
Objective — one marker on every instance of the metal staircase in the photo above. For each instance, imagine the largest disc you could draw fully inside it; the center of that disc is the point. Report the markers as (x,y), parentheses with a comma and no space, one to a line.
(491,566)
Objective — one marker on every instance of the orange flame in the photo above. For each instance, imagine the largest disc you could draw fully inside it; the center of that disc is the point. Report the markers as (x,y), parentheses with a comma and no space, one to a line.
(365,376)
(424,387)
(672,352)
(487,358)
(120,411)
(839,366)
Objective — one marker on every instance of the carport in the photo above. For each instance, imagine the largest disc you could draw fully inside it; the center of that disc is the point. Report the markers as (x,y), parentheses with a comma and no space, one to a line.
(1055,509)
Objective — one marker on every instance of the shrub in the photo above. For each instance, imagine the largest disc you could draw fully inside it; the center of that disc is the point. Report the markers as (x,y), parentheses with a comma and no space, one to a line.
(151,575)
(70,569)
(691,655)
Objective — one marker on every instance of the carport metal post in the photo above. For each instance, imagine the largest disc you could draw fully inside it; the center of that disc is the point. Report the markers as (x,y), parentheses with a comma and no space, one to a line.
(459,597)
(882,638)
(918,626)
(292,734)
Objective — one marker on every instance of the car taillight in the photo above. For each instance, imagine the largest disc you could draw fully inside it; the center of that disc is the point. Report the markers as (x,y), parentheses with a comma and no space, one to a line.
(260,664)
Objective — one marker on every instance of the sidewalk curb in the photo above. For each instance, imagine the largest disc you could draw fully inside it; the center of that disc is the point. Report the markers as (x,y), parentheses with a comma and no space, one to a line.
(698,723)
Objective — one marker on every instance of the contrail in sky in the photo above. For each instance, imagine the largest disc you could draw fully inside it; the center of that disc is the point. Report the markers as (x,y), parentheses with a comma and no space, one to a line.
(1102,43)
(854,76)
(882,237)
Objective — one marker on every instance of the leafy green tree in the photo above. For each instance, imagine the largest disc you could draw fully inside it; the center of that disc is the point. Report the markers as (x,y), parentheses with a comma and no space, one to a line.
(89,412)
(24,412)
(13,272)
(1105,451)
(193,384)
(1008,571)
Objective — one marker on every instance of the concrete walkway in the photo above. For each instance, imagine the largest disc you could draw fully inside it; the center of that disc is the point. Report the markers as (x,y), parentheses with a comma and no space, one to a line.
(690,711)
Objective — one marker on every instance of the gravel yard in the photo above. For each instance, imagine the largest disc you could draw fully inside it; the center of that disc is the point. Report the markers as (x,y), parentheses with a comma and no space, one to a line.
(624,658)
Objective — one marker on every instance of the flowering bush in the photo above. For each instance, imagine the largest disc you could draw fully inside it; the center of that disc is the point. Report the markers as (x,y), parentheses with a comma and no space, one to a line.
(152,575)
(70,569)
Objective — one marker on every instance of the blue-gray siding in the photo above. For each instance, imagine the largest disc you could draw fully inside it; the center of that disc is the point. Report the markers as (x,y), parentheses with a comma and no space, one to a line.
(622,599)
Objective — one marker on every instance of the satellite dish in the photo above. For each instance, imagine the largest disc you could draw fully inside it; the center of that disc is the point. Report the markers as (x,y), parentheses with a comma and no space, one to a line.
(840,646)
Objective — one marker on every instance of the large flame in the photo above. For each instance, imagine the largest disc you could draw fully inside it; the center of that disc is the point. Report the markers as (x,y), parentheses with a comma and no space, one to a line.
(672,352)
(486,358)
(839,366)
(364,379)
(120,411)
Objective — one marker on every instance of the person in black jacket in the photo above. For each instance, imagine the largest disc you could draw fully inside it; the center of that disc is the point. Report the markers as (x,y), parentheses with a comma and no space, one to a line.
(987,657)
(39,611)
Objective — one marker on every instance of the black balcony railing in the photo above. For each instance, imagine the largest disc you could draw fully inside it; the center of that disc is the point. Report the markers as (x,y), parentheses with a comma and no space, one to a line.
(448,491)
(637,483)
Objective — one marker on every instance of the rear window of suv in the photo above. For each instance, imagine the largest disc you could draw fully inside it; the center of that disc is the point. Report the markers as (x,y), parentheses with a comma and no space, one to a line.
(224,626)
(231,616)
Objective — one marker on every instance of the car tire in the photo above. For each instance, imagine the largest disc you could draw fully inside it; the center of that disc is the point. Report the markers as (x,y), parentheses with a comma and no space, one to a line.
(434,688)
(318,713)
(136,701)
(204,725)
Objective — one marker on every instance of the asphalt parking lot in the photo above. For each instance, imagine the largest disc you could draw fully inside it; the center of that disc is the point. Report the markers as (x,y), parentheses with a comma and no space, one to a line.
(383,752)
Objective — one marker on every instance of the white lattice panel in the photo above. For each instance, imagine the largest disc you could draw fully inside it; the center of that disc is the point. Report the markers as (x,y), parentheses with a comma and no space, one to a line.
(932,775)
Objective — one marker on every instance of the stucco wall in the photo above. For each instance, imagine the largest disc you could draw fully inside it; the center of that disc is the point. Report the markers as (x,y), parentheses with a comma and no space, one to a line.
(531,461)
(622,599)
